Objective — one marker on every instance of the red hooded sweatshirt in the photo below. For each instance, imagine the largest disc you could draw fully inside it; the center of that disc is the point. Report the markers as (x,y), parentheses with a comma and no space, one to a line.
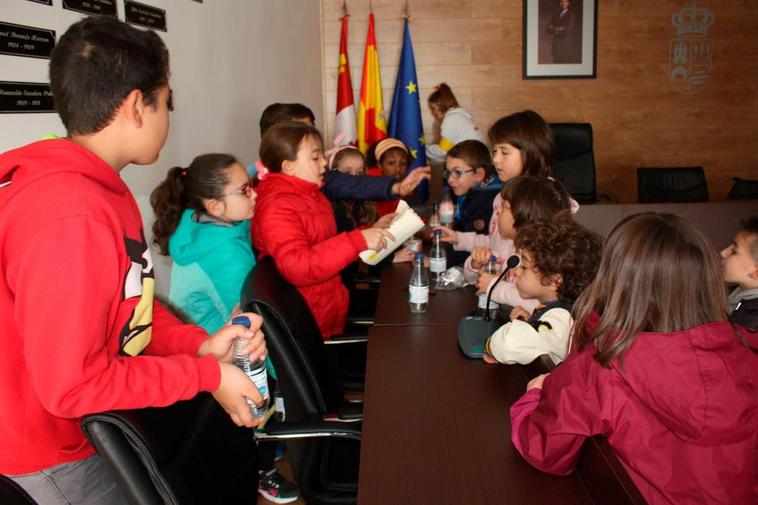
(681,414)
(294,223)
(79,330)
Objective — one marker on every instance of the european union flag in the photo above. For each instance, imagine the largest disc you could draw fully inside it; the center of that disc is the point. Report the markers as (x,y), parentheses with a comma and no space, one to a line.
(405,116)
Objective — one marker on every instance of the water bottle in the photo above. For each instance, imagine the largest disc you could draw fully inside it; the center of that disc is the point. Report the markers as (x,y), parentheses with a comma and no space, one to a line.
(490,268)
(255,370)
(447,209)
(437,258)
(418,289)
(434,219)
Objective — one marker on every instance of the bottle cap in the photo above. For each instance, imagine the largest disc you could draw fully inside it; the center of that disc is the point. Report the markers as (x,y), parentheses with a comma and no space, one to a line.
(437,232)
(419,256)
(493,258)
(243,320)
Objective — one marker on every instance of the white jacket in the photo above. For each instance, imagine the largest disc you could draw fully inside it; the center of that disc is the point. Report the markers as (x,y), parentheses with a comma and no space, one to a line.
(457,126)
(519,342)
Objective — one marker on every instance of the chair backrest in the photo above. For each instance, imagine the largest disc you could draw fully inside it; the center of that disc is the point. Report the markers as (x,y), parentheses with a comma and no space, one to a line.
(189,453)
(12,494)
(743,189)
(604,476)
(293,339)
(671,184)
(575,160)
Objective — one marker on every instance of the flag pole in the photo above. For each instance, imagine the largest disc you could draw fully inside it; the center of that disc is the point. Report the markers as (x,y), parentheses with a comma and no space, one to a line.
(344,9)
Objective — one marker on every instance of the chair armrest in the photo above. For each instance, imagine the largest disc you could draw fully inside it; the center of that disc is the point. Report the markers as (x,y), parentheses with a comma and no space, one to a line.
(309,429)
(346,339)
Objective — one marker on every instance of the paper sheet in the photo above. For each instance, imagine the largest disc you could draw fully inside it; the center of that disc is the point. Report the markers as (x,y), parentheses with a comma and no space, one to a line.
(405,224)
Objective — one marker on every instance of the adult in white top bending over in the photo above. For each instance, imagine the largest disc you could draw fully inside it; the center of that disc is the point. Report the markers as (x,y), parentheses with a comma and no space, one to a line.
(456,123)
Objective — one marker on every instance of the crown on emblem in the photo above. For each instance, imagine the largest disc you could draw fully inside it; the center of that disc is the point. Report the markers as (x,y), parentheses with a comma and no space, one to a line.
(692,21)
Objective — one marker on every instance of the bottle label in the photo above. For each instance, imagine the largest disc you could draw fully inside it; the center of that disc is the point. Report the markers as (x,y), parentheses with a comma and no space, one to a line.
(446,215)
(418,294)
(437,265)
(483,302)
(260,378)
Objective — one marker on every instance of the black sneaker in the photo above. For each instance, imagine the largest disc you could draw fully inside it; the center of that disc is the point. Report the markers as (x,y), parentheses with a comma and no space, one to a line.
(275,488)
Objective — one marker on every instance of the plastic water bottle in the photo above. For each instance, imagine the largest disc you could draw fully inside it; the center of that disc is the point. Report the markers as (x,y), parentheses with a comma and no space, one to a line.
(437,258)
(418,289)
(490,268)
(447,209)
(255,370)
(434,219)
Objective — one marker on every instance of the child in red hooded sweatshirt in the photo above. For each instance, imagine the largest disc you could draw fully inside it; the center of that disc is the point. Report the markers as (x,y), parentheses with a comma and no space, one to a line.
(80,331)
(657,368)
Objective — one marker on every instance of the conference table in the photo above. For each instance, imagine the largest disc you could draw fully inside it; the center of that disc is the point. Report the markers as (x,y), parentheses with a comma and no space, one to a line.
(436,428)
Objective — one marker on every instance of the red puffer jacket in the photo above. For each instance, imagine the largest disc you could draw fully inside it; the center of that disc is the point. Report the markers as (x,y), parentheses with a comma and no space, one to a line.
(294,224)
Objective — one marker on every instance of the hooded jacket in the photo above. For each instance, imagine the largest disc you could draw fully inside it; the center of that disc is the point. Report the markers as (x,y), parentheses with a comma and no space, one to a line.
(681,415)
(79,329)
(744,306)
(211,261)
(294,224)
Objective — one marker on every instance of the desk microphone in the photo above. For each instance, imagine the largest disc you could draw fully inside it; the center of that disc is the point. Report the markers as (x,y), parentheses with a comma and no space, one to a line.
(473,331)
(512,262)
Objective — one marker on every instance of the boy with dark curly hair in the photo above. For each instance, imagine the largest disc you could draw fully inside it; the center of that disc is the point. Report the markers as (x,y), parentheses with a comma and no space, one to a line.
(559,258)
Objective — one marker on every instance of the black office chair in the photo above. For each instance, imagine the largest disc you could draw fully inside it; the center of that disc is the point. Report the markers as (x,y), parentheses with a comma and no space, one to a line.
(12,494)
(324,454)
(671,185)
(189,453)
(743,189)
(575,160)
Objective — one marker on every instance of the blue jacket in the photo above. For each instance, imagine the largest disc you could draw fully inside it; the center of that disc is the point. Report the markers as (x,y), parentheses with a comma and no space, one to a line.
(356,187)
(211,261)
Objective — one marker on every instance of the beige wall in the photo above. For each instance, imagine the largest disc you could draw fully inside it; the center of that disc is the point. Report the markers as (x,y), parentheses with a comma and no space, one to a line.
(638,118)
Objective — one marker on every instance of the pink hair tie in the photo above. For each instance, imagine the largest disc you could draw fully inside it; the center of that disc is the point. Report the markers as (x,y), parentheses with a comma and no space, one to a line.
(331,153)
(262,170)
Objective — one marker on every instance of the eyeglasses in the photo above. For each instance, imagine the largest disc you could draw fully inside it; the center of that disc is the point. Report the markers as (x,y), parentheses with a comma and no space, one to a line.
(457,173)
(246,191)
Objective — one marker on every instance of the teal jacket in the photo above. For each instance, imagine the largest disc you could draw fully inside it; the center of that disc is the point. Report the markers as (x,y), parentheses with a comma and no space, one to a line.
(211,261)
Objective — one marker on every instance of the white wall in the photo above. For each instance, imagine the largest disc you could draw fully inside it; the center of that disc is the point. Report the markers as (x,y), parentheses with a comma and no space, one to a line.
(229,60)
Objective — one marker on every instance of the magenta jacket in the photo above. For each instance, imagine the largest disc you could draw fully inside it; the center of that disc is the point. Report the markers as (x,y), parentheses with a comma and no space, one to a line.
(294,224)
(681,414)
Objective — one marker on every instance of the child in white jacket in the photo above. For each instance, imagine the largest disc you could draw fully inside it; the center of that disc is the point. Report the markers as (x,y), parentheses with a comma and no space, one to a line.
(559,258)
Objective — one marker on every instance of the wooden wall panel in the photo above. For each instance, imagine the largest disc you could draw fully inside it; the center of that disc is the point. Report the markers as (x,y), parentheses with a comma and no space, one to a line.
(637,117)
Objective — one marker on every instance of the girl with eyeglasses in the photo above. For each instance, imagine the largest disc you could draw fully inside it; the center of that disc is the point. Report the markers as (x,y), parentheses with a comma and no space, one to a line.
(471,178)
(202,220)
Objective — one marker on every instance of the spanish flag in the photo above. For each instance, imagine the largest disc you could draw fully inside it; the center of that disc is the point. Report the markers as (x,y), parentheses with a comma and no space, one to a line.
(371,124)
(345,122)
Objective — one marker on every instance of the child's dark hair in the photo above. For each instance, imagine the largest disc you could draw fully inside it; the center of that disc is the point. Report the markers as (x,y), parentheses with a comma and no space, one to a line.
(186,188)
(97,63)
(284,113)
(658,273)
(749,227)
(281,141)
(443,97)
(475,154)
(534,198)
(562,246)
(530,134)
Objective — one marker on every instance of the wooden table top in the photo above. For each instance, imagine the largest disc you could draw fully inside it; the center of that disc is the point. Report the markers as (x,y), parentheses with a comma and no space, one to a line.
(436,428)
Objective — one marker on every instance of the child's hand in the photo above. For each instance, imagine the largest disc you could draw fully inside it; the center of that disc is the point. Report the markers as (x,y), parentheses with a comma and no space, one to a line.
(413,179)
(483,282)
(448,235)
(377,238)
(220,344)
(537,382)
(385,221)
(520,312)
(489,359)
(234,387)
(403,256)
(480,256)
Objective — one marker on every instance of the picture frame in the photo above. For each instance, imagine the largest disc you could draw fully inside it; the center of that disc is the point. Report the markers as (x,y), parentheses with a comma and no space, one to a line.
(560,39)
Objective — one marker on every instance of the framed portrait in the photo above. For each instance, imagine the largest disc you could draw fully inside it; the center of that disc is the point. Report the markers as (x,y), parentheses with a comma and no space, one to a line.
(560,39)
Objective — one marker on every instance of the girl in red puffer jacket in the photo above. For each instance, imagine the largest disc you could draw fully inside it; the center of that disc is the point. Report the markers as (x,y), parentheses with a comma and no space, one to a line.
(294,223)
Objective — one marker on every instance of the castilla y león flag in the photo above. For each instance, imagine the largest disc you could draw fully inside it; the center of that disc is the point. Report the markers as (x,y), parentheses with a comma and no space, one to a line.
(345,121)
(371,124)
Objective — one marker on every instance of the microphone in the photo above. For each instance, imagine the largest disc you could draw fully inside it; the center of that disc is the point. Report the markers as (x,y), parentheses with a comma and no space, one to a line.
(511,263)
(473,331)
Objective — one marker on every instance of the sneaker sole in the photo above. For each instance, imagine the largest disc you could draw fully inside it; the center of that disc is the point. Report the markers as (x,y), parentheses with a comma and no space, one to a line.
(276,499)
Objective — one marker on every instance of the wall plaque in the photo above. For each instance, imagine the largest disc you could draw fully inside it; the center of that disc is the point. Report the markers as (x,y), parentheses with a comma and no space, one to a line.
(103,7)
(145,15)
(20,40)
(21,97)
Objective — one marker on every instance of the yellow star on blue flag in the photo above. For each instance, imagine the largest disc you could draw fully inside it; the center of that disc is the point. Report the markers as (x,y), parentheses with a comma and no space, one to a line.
(405,117)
